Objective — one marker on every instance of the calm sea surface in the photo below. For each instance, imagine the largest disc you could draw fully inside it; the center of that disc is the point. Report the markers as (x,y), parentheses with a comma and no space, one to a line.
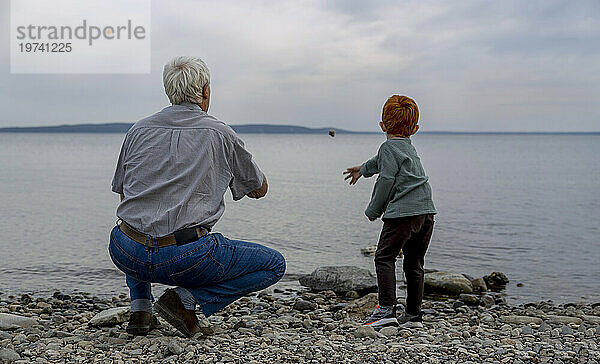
(526,205)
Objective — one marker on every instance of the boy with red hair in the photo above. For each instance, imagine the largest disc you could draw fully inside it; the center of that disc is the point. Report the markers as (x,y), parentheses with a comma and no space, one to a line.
(403,195)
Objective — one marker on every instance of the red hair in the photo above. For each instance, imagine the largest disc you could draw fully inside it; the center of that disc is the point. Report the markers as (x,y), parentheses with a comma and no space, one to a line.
(400,115)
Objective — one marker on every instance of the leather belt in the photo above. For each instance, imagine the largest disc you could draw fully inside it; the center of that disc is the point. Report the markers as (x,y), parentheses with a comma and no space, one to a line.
(179,237)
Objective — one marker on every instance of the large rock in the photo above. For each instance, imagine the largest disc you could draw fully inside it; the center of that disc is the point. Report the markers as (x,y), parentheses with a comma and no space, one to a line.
(9,321)
(448,283)
(340,279)
(8,355)
(110,317)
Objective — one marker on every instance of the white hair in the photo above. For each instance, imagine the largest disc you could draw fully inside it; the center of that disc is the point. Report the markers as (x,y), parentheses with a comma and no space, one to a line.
(184,78)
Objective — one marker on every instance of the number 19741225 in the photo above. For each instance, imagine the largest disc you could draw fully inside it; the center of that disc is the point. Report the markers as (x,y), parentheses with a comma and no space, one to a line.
(45,47)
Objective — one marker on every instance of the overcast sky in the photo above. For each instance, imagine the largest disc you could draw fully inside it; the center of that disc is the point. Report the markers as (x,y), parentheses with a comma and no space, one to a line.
(470,65)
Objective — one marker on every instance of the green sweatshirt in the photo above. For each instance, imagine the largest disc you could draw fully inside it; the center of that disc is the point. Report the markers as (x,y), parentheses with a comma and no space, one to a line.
(401,188)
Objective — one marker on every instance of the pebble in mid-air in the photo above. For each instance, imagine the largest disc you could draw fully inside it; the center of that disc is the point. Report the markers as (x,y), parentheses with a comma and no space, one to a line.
(331,133)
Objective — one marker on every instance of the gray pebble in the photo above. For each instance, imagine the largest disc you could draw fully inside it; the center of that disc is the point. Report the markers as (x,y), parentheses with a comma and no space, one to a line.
(302,305)
(566,330)
(389,331)
(364,332)
(174,348)
(544,327)
(488,301)
(527,330)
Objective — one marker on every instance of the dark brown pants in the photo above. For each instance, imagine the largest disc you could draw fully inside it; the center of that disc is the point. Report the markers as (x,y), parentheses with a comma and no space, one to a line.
(412,235)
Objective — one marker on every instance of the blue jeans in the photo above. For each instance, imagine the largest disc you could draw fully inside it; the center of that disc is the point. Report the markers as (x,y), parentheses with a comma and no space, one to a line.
(214,269)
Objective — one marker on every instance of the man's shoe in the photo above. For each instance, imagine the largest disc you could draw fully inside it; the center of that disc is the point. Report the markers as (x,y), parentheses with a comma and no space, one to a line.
(170,308)
(410,321)
(141,323)
(382,316)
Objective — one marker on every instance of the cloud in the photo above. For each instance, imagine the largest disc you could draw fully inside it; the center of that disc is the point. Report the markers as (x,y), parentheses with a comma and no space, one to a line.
(471,65)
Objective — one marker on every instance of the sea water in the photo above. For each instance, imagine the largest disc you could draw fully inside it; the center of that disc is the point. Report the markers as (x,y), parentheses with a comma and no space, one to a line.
(524,204)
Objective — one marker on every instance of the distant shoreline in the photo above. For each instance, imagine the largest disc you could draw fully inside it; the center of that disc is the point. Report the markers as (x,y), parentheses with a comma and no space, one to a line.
(259,129)
(124,127)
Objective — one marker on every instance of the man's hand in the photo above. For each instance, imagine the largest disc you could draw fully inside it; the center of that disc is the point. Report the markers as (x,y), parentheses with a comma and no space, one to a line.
(353,173)
(261,191)
(371,219)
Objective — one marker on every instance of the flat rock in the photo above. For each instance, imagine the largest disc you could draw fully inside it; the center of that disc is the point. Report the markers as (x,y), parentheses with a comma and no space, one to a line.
(591,319)
(449,283)
(366,331)
(9,321)
(110,317)
(340,279)
(521,320)
(564,320)
(8,355)
(389,331)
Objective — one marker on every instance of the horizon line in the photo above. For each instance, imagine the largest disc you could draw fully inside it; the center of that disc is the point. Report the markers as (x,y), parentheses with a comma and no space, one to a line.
(24,128)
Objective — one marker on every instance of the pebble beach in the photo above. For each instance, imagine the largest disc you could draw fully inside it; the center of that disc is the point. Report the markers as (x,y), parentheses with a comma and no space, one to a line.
(291,324)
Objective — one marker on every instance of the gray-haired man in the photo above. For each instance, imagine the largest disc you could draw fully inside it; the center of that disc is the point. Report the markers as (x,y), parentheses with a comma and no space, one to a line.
(173,170)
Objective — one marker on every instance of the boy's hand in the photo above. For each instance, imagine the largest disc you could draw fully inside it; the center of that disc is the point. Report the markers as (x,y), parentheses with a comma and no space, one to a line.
(371,219)
(353,173)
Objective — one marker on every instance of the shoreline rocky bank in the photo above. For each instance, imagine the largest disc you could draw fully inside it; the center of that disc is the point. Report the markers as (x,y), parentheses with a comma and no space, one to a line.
(290,323)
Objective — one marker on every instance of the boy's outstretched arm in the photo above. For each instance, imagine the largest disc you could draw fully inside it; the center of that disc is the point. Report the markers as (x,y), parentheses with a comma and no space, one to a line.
(366,169)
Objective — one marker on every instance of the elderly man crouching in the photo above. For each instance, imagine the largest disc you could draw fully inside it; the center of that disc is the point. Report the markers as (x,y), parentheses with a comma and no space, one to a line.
(173,170)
